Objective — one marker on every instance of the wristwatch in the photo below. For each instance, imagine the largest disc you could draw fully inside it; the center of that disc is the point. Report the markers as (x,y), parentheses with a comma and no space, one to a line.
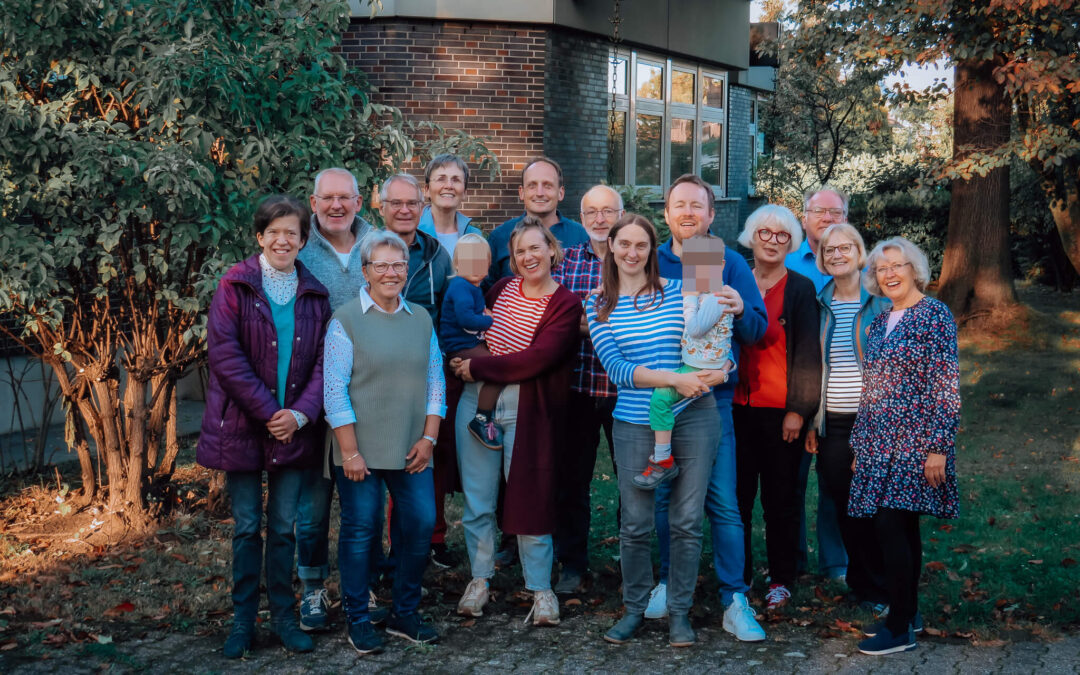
(433,441)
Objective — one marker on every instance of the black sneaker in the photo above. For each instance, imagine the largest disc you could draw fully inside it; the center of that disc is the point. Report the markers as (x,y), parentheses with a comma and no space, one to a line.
(442,557)
(487,432)
(239,640)
(412,628)
(293,639)
(364,638)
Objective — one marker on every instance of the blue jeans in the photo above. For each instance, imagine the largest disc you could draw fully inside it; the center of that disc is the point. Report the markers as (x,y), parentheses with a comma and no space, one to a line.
(479,469)
(832,556)
(693,445)
(245,493)
(313,527)
(360,537)
(721,507)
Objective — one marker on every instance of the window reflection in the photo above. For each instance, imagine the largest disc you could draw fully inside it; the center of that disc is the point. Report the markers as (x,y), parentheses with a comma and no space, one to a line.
(650,81)
(648,149)
(712,134)
(682,147)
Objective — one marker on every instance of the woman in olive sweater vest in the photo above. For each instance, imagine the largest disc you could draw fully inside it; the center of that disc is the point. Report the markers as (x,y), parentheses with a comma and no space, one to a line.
(384,395)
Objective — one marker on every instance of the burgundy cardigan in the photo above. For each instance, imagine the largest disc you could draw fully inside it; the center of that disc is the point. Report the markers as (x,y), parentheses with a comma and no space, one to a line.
(543,370)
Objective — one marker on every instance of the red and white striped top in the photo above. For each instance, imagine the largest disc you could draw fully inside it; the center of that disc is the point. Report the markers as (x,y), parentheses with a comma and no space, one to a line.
(515,319)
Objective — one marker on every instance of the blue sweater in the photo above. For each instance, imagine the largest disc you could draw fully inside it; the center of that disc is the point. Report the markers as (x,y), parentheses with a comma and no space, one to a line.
(462,317)
(747,329)
(649,335)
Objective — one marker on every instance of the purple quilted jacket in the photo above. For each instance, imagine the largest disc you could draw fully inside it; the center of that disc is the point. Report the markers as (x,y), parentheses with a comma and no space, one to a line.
(242,393)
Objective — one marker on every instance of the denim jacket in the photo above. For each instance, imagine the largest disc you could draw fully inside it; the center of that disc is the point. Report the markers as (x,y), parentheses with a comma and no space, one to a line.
(870,306)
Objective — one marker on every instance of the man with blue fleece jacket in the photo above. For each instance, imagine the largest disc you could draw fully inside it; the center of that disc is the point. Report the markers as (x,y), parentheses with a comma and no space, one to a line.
(688,211)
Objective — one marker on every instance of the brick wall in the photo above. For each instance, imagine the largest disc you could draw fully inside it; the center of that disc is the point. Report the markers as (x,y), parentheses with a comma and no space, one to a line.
(739,157)
(486,79)
(576,105)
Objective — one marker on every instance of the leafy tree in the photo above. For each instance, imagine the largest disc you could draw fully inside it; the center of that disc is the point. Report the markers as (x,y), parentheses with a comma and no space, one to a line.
(135,138)
(1006,53)
(822,111)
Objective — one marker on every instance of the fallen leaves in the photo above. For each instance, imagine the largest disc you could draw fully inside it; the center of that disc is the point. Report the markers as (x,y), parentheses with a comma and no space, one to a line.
(122,608)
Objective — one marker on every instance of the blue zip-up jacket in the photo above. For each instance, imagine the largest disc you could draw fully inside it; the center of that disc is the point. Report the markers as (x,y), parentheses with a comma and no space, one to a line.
(429,273)
(869,308)
(568,232)
(427,225)
(747,329)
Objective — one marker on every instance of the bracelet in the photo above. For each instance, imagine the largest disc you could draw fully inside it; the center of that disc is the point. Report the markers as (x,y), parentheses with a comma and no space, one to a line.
(433,441)
(349,459)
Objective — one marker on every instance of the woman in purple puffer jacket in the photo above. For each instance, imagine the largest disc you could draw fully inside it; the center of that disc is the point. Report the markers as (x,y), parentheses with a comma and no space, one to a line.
(264,410)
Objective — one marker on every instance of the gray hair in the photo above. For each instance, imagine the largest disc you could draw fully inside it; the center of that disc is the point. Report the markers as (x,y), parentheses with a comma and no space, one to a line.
(339,172)
(810,194)
(774,214)
(380,238)
(402,177)
(618,196)
(849,230)
(446,159)
(912,254)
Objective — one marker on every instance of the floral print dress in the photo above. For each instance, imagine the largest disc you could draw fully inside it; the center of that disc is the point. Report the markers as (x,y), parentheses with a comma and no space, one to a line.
(910,407)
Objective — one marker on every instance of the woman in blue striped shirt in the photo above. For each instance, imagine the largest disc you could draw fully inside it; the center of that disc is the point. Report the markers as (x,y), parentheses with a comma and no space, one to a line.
(636,325)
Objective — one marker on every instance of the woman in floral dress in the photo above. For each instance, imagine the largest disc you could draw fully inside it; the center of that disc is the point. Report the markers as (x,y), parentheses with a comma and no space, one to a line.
(904,437)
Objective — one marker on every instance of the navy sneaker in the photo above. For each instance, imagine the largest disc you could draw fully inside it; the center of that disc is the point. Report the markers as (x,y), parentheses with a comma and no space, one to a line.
(916,626)
(313,614)
(884,642)
(411,627)
(364,638)
(240,639)
(293,639)
(486,431)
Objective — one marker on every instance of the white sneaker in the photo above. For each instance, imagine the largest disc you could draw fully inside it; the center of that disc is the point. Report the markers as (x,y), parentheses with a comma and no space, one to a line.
(657,608)
(741,621)
(545,609)
(475,597)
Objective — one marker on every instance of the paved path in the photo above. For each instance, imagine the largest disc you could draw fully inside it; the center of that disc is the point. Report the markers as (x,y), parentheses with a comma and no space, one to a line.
(501,643)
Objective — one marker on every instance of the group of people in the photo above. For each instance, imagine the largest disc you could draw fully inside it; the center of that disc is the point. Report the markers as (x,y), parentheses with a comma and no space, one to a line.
(423,358)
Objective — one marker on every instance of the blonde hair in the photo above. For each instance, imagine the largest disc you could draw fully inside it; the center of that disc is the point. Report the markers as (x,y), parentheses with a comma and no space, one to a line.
(471,241)
(849,230)
(533,223)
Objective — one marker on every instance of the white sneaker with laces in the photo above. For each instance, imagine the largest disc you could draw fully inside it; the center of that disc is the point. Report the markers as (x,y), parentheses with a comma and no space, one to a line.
(741,621)
(657,608)
(545,609)
(474,598)
(777,596)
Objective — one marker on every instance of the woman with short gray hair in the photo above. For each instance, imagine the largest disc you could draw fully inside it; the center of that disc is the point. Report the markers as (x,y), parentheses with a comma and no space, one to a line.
(384,395)
(904,438)
(775,397)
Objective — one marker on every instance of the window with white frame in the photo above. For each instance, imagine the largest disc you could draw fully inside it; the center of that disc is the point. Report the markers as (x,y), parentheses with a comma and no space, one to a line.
(668,119)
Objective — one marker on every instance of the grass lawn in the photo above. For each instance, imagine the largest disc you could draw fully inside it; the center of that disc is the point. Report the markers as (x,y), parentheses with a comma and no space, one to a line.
(1007,569)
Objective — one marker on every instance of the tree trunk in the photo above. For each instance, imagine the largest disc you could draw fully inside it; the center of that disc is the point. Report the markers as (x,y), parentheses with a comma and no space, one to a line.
(976,270)
(112,438)
(1066,213)
(135,405)
(172,440)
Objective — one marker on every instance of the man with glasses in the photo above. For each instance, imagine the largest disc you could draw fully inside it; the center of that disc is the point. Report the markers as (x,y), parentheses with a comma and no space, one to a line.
(592,396)
(430,268)
(332,254)
(822,207)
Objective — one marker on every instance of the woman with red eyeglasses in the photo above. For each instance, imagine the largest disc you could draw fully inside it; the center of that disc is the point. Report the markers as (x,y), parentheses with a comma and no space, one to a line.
(776,396)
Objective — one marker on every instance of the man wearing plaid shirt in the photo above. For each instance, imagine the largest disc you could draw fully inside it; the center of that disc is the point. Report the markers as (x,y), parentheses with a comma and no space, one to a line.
(592,396)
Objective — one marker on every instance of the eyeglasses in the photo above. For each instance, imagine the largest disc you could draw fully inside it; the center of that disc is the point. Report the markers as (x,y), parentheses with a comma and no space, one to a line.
(769,235)
(380,267)
(396,204)
(819,211)
(843,248)
(330,199)
(607,213)
(894,268)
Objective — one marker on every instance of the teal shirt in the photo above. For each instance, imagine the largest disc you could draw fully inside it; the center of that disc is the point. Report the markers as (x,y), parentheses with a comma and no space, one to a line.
(285,323)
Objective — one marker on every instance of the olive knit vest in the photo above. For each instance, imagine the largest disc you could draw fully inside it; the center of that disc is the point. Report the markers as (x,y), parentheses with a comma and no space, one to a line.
(388,388)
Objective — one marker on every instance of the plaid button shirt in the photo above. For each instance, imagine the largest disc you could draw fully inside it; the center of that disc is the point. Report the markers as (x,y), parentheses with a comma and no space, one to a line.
(580,273)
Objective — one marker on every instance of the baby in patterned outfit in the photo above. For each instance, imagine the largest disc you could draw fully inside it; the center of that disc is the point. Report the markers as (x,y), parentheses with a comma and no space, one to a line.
(706,345)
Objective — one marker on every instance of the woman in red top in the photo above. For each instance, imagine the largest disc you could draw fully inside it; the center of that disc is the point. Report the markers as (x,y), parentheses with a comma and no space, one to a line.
(533,339)
(776,396)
